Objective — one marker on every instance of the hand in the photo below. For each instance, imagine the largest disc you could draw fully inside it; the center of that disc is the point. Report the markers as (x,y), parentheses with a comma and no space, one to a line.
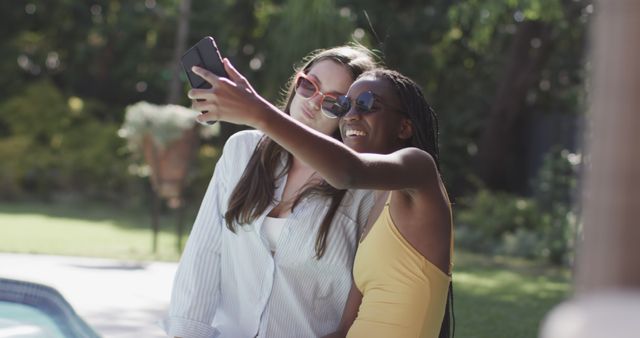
(231,100)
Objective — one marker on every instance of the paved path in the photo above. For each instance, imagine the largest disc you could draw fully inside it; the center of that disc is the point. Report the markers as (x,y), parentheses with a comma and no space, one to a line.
(118,299)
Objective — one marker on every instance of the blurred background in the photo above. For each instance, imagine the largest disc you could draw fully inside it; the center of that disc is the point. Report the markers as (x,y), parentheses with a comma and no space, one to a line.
(508,79)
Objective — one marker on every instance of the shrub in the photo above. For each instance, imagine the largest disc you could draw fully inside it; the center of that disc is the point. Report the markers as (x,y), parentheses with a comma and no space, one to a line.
(543,226)
(50,144)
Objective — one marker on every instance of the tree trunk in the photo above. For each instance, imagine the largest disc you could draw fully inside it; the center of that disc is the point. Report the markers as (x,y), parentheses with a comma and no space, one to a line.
(497,159)
(182,34)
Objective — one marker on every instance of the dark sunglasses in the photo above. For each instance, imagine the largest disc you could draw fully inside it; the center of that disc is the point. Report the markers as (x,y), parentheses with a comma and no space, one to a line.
(363,104)
(307,88)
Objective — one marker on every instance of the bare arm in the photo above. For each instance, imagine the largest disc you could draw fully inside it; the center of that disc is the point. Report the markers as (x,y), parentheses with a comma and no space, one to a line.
(237,102)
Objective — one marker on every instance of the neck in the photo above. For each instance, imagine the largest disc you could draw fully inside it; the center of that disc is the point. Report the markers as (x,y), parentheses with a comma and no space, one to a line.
(382,194)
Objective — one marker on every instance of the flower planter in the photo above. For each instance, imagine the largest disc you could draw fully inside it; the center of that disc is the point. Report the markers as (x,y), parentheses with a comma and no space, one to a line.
(170,164)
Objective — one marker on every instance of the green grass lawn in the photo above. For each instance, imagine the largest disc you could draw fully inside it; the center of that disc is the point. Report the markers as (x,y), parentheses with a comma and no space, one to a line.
(499,297)
(495,297)
(88,230)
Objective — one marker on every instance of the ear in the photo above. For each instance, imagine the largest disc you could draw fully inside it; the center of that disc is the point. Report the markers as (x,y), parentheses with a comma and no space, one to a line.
(406,129)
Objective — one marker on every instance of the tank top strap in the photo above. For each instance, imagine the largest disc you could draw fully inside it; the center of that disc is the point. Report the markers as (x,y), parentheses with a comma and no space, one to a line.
(386,204)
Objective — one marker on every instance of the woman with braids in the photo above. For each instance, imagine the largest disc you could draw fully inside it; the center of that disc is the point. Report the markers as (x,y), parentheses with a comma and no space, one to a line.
(272,247)
(402,270)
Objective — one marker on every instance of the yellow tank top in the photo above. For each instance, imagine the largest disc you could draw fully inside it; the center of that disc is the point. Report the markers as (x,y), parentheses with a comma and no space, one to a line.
(403,294)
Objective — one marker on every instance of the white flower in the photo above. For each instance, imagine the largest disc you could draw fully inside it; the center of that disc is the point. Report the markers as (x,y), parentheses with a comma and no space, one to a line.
(164,123)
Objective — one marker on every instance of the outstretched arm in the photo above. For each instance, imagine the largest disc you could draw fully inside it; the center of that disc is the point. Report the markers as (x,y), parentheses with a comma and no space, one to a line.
(235,101)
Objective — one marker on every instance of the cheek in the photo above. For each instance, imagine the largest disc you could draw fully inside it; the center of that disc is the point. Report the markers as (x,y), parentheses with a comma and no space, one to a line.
(329,123)
(294,108)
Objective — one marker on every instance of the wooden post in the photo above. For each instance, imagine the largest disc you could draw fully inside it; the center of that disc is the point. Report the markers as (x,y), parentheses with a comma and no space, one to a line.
(607,283)
(155,218)
(180,226)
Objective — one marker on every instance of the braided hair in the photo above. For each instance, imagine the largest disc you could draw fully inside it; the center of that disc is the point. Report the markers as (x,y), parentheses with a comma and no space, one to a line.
(415,106)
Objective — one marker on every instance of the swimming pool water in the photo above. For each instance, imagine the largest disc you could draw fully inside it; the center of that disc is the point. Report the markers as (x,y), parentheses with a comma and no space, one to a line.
(24,321)
(30,310)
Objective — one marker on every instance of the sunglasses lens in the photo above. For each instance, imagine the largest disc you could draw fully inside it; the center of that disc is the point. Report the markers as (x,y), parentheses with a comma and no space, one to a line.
(331,107)
(342,106)
(305,87)
(364,102)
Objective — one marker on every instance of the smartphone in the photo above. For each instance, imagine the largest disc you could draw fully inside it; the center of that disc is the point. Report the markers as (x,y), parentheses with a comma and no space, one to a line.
(203,54)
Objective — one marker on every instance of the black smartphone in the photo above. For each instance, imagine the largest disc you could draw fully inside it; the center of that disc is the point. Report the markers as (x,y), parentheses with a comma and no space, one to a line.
(203,54)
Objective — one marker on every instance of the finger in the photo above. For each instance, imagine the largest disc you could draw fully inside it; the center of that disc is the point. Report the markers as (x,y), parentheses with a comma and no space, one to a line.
(209,116)
(200,94)
(203,106)
(234,75)
(205,74)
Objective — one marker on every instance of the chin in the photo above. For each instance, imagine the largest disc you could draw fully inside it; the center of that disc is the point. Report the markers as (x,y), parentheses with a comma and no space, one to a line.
(357,146)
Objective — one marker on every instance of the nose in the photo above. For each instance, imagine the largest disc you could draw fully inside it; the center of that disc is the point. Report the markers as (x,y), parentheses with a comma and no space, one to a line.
(315,101)
(352,114)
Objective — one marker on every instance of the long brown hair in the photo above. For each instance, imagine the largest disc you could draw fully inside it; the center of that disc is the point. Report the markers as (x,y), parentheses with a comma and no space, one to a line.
(254,192)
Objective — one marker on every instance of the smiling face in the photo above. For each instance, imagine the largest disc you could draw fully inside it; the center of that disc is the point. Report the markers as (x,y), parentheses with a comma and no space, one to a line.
(385,128)
(330,78)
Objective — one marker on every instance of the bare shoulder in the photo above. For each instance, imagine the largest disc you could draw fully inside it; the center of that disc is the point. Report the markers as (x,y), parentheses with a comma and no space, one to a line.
(422,170)
(415,154)
(419,159)
(427,195)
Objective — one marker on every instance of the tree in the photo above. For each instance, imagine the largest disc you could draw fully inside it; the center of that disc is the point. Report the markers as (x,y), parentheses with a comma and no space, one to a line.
(498,161)
(182,33)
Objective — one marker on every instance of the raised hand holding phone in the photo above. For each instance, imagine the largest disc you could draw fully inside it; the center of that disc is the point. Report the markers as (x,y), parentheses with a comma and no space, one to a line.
(203,54)
(231,99)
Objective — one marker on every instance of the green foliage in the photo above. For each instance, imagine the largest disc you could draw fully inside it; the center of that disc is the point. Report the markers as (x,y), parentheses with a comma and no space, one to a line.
(554,189)
(504,224)
(557,178)
(488,216)
(458,51)
(50,146)
(108,54)
(298,28)
(544,226)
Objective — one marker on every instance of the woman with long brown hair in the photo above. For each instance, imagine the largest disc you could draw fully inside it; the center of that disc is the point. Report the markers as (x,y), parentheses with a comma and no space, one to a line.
(271,250)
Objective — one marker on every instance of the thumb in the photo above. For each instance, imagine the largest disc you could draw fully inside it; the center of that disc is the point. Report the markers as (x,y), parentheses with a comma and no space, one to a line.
(235,76)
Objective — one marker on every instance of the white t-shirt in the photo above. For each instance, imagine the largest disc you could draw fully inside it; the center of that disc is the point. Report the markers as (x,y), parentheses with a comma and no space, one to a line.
(271,230)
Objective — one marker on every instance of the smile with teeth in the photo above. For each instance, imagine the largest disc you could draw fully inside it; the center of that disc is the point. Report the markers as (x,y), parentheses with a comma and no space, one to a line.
(353,132)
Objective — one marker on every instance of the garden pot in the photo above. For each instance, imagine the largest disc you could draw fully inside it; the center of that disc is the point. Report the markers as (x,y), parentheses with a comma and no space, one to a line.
(170,164)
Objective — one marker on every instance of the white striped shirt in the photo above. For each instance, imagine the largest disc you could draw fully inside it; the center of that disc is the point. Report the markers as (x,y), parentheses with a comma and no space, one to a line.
(229,285)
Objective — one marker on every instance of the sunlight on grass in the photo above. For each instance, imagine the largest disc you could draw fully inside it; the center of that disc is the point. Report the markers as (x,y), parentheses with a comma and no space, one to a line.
(39,233)
(503,299)
(495,297)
